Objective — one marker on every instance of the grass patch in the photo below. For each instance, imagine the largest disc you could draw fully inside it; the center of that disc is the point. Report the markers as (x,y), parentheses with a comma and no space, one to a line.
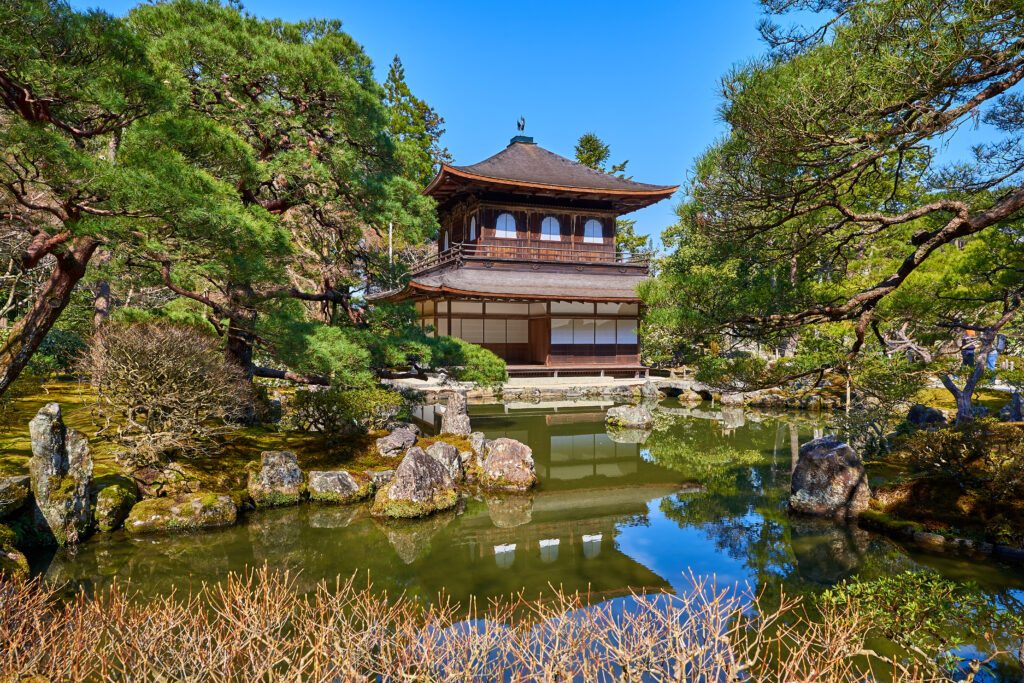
(938,397)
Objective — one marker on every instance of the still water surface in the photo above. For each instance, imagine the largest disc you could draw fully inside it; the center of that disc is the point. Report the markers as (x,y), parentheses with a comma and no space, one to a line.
(703,493)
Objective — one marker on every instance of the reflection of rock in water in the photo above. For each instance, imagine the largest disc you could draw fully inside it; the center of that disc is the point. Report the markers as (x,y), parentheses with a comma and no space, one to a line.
(826,552)
(732,417)
(639,436)
(332,516)
(275,534)
(411,537)
(510,511)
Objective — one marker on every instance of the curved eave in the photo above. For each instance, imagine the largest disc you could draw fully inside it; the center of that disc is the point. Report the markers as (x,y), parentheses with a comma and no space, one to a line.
(491,295)
(639,198)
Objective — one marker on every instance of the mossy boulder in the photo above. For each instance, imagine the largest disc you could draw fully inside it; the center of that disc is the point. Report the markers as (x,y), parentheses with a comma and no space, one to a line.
(184,512)
(508,466)
(629,417)
(396,443)
(448,456)
(115,497)
(339,487)
(13,562)
(61,473)
(455,418)
(277,480)
(421,486)
(14,493)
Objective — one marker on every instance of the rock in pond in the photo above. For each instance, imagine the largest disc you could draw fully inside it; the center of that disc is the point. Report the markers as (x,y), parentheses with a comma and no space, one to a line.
(421,486)
(630,417)
(277,481)
(61,472)
(650,391)
(338,487)
(114,500)
(13,494)
(829,480)
(508,466)
(448,456)
(184,512)
(396,443)
(455,419)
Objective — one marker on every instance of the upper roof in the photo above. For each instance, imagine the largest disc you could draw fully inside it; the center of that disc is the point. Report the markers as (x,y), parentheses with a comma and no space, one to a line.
(527,168)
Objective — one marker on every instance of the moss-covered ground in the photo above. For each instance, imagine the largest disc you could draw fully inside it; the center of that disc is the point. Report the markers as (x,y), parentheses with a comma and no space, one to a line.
(222,471)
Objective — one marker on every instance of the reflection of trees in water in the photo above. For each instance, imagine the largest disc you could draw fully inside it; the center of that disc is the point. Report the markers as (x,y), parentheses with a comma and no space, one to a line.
(743,512)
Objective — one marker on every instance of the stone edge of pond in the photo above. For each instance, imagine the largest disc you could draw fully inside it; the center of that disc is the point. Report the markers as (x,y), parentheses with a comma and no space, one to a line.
(913,531)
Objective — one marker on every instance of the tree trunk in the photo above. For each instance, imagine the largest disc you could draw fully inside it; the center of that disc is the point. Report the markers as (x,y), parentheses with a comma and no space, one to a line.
(964,404)
(29,332)
(101,305)
(240,335)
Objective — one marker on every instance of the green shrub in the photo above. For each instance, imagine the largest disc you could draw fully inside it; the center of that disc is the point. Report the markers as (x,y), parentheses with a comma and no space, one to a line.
(335,411)
(981,456)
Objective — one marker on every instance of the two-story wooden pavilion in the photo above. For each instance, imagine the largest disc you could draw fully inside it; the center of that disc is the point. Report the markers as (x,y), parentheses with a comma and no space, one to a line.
(526,263)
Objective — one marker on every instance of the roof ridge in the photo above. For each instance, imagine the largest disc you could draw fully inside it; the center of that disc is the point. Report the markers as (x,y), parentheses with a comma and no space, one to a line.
(518,162)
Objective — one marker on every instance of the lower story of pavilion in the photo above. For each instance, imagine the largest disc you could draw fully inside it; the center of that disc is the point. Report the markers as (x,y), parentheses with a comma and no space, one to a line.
(542,337)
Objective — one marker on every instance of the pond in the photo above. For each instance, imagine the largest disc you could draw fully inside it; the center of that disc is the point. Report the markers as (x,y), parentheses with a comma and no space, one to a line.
(704,493)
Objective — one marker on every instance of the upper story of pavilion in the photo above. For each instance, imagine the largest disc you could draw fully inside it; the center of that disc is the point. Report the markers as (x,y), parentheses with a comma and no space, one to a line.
(528,205)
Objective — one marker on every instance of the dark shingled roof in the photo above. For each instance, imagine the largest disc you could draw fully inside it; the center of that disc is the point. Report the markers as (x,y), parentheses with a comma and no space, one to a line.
(542,285)
(530,163)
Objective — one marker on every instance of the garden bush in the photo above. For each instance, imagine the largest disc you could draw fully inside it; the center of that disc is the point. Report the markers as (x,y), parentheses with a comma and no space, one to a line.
(163,389)
(335,411)
(982,456)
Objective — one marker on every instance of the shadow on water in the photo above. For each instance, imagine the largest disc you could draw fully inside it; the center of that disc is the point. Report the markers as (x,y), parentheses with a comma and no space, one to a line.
(705,492)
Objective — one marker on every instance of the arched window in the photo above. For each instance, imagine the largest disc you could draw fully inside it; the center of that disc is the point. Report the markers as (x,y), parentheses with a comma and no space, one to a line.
(550,229)
(445,241)
(472,229)
(592,231)
(505,226)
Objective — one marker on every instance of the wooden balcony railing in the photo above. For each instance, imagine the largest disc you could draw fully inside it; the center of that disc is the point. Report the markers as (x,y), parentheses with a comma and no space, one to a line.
(527,251)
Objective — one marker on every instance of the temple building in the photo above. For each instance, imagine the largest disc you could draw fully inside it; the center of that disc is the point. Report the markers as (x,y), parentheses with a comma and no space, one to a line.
(526,263)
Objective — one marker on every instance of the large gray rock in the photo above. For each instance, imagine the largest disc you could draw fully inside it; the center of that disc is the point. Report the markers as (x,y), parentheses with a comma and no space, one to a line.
(338,487)
(829,480)
(508,466)
(448,456)
(921,415)
(380,477)
(14,493)
(277,481)
(421,486)
(632,417)
(184,512)
(731,398)
(455,419)
(396,443)
(392,425)
(60,474)
(650,391)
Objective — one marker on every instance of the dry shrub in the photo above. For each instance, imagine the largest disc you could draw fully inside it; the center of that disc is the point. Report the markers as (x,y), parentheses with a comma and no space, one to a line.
(258,627)
(162,388)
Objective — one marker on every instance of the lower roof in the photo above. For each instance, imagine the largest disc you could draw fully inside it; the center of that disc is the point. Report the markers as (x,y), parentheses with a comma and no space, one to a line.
(484,282)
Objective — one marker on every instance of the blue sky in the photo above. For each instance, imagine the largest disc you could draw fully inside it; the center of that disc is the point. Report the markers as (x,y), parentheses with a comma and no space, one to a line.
(642,75)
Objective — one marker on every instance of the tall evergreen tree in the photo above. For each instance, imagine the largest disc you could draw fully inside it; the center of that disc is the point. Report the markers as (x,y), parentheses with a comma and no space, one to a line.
(413,120)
